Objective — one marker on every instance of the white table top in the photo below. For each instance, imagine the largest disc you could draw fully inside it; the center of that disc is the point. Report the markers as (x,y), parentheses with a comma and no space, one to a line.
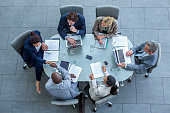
(79,59)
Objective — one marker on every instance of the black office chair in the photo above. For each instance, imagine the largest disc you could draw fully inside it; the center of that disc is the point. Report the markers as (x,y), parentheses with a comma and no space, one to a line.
(157,62)
(107,10)
(18,44)
(71,8)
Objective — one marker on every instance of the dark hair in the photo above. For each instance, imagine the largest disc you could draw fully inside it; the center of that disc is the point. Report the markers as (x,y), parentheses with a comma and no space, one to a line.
(56,77)
(110,80)
(35,39)
(113,90)
(152,46)
(72,16)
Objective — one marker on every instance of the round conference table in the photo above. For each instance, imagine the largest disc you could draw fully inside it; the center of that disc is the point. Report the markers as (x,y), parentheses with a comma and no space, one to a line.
(98,55)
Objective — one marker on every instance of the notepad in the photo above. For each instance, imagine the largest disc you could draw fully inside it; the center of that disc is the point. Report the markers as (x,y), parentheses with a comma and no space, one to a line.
(53,50)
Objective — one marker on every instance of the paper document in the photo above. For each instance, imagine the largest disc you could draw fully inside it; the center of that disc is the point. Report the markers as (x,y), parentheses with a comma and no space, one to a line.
(76,71)
(52,44)
(97,69)
(53,50)
(51,55)
(119,41)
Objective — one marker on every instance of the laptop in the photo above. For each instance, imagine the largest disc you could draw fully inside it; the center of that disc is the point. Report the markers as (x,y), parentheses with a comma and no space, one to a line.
(120,55)
(78,42)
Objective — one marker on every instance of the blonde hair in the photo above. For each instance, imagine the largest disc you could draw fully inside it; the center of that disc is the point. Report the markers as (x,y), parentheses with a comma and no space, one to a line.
(108,20)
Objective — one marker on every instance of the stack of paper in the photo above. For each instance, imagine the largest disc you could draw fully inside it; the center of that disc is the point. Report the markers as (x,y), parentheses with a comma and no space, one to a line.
(53,50)
(97,69)
(119,41)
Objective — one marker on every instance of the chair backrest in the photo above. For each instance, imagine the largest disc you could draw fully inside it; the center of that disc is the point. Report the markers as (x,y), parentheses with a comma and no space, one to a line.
(66,102)
(158,59)
(18,42)
(107,10)
(104,99)
(71,8)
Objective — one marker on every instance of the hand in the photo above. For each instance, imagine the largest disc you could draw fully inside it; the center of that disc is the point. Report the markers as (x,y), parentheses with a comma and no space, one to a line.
(73,29)
(129,53)
(104,68)
(44,47)
(100,41)
(53,65)
(71,40)
(100,36)
(121,65)
(91,76)
(73,76)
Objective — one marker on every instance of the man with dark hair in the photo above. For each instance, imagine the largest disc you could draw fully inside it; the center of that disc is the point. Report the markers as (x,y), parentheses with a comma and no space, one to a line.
(145,57)
(97,91)
(33,55)
(60,85)
(71,23)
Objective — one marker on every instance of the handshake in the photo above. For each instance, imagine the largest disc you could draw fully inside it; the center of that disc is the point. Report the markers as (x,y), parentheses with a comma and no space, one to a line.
(52,64)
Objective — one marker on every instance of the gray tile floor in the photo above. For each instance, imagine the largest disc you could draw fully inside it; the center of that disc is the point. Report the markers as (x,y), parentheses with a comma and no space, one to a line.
(140,20)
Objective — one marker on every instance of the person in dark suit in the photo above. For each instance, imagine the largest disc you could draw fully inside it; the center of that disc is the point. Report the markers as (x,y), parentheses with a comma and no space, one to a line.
(71,23)
(33,55)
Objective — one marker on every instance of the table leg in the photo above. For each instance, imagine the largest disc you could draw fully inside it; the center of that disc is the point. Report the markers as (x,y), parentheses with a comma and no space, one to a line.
(82,103)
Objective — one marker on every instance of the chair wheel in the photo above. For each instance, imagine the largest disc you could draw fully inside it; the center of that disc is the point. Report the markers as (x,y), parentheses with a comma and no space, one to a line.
(110,105)
(94,109)
(129,80)
(24,67)
(146,75)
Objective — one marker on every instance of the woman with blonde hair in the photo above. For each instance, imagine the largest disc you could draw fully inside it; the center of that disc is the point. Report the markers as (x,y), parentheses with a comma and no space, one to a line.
(106,25)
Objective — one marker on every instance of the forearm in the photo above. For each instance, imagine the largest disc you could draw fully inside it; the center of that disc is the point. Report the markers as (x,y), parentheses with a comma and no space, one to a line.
(93,83)
(64,72)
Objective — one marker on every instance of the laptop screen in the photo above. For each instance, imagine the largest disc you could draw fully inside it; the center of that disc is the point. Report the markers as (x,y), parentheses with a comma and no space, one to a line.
(121,56)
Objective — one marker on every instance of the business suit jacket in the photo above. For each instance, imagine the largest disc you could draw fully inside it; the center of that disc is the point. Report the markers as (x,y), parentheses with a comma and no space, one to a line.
(64,90)
(98,29)
(64,26)
(143,63)
(30,53)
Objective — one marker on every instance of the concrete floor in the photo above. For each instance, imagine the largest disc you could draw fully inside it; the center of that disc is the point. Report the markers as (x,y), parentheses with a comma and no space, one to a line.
(140,20)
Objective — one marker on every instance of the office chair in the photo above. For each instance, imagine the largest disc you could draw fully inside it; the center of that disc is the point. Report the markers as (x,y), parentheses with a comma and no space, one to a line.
(102,101)
(65,102)
(18,44)
(71,8)
(107,10)
(157,62)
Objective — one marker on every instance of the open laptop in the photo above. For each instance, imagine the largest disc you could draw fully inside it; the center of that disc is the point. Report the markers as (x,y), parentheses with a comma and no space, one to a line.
(78,42)
(120,55)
